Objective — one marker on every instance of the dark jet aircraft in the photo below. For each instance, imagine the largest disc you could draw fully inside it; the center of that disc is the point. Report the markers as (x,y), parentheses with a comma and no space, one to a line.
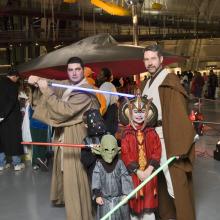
(97,52)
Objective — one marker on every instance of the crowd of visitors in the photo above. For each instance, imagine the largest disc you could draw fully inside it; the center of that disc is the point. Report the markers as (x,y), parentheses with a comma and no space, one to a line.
(200,85)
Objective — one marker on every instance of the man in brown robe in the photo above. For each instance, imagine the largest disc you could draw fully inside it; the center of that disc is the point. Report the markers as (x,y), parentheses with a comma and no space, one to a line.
(176,134)
(63,109)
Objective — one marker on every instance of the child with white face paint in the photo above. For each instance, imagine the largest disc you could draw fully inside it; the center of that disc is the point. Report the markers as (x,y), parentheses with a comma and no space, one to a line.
(138,116)
(141,152)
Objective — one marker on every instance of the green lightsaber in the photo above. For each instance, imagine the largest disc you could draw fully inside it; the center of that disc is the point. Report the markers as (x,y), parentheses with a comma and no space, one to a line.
(125,200)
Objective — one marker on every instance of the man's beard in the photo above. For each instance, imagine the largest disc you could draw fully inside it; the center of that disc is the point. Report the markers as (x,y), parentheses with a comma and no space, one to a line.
(154,69)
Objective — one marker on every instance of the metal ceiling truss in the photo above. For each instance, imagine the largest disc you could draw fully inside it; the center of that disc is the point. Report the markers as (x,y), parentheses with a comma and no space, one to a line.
(155,27)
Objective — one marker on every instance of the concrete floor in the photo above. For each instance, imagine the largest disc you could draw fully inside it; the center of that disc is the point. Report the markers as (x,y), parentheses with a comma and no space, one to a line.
(25,194)
(207,170)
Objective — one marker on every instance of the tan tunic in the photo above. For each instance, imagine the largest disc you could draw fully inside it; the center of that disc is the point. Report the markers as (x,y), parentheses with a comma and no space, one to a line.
(70,186)
(152,92)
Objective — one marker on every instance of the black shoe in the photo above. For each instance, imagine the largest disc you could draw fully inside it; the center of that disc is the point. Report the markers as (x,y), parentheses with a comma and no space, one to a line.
(42,164)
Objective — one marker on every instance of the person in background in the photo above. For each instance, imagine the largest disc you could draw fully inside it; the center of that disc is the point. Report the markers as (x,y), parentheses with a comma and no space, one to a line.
(22,97)
(10,122)
(212,84)
(105,79)
(205,77)
(190,75)
(185,81)
(119,84)
(178,74)
(197,84)
(89,75)
(39,133)
(205,87)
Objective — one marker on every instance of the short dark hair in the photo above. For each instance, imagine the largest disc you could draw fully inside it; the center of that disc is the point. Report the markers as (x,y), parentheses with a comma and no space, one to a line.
(106,73)
(13,72)
(103,76)
(154,48)
(75,60)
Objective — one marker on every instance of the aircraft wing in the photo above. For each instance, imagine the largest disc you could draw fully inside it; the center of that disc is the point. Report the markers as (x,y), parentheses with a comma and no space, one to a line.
(97,52)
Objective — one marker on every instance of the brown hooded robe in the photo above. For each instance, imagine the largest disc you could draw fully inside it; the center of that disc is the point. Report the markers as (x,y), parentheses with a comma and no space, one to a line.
(178,136)
(69,186)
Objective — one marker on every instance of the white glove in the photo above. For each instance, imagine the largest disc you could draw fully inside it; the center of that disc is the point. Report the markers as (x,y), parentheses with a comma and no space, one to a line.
(1,119)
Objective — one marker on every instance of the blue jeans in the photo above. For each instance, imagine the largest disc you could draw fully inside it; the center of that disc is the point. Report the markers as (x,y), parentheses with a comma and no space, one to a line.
(15,160)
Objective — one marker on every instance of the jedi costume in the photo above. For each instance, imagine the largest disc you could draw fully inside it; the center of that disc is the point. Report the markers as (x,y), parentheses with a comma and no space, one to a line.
(63,109)
(176,134)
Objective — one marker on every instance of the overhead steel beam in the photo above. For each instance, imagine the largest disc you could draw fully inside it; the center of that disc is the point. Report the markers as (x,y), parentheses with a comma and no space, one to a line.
(17,42)
(155,20)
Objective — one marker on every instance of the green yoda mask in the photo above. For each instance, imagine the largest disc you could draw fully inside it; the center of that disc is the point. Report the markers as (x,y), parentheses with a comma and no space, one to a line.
(109,148)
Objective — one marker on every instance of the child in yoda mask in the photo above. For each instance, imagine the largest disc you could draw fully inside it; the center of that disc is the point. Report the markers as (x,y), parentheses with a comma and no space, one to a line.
(110,180)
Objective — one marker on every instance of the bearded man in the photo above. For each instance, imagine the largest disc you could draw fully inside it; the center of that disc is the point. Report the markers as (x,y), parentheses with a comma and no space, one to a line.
(176,135)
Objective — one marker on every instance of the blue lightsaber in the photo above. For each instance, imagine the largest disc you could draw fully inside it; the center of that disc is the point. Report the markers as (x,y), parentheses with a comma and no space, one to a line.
(90,90)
